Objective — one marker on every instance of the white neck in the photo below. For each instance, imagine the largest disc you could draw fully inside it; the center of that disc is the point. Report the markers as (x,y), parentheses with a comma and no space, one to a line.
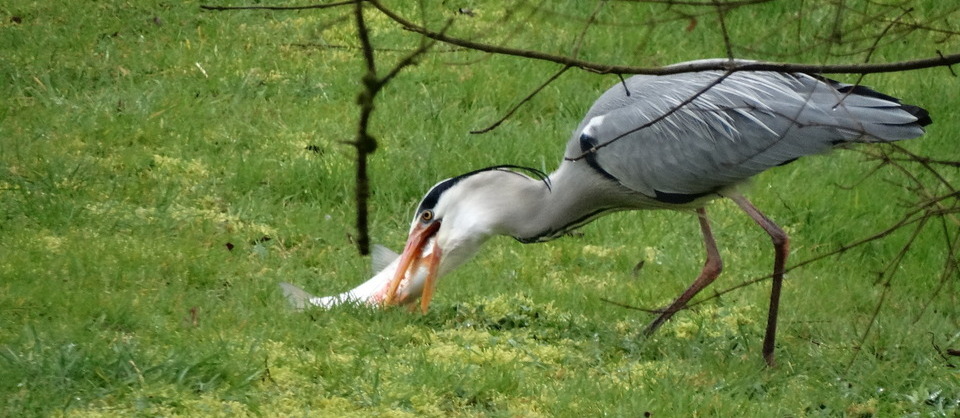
(530,211)
(497,202)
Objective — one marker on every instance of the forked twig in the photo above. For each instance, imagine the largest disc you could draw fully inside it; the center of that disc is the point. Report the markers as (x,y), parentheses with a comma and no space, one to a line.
(521,103)
(284,8)
(888,273)
(938,61)
(653,121)
(365,143)
(576,52)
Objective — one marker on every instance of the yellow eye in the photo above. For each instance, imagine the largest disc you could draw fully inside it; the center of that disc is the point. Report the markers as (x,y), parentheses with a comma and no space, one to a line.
(426,215)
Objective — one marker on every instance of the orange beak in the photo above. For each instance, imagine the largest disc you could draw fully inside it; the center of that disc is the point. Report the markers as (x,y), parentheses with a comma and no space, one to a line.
(412,259)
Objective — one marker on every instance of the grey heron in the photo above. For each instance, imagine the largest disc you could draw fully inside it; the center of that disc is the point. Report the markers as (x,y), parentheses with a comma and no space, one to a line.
(656,142)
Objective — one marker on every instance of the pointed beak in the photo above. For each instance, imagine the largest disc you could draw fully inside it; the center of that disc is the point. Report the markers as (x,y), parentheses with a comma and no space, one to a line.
(420,252)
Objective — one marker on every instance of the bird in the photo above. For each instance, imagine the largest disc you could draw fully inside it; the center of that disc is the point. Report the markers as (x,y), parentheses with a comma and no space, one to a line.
(655,142)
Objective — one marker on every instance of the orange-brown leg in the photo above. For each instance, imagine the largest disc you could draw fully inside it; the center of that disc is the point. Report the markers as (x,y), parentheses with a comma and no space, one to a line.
(781,245)
(711,269)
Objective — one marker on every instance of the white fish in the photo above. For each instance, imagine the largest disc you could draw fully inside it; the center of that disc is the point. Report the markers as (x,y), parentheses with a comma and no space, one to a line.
(371,292)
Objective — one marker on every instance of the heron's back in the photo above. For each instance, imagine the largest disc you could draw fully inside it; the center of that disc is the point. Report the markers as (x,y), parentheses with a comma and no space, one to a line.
(676,138)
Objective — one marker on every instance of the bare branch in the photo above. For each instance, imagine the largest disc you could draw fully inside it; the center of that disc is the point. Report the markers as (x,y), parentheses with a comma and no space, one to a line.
(931,200)
(576,52)
(365,143)
(722,17)
(928,207)
(888,273)
(919,214)
(521,102)
(950,267)
(727,4)
(637,308)
(309,7)
(586,26)
(939,61)
(319,45)
(876,41)
(653,121)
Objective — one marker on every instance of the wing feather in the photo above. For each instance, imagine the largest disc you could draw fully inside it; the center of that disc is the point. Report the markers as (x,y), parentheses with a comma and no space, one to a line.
(735,128)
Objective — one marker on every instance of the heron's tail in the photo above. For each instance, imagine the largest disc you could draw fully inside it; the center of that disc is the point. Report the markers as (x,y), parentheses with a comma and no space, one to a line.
(881,117)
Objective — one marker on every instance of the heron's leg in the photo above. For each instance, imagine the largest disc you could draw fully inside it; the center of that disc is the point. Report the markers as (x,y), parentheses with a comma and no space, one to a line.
(711,269)
(781,245)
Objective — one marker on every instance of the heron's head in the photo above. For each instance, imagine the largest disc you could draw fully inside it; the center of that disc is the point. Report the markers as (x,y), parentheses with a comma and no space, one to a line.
(454,219)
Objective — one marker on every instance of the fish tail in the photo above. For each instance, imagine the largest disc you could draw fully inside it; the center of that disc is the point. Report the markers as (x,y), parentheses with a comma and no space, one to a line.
(299,299)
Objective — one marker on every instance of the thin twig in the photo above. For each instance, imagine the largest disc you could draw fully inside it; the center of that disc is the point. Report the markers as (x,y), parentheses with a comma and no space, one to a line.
(907,219)
(887,284)
(308,7)
(521,103)
(876,43)
(637,308)
(306,45)
(722,18)
(653,121)
(939,61)
(578,44)
(931,206)
(728,4)
(950,267)
(927,161)
(586,25)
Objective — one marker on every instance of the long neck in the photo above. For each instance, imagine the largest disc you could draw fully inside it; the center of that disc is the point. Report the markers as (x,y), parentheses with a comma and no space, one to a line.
(576,196)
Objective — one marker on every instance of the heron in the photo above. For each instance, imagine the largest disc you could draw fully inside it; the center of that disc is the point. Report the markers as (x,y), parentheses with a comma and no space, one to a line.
(673,142)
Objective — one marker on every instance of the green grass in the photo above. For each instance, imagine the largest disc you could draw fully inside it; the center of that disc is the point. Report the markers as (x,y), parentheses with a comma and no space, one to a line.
(139,139)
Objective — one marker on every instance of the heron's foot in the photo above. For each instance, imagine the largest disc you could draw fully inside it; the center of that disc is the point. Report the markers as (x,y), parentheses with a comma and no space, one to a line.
(770,360)
(665,314)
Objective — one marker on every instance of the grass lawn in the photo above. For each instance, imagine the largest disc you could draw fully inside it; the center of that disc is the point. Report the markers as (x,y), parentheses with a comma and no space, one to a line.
(163,168)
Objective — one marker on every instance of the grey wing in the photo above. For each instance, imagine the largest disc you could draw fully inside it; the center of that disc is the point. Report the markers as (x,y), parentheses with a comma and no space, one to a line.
(695,133)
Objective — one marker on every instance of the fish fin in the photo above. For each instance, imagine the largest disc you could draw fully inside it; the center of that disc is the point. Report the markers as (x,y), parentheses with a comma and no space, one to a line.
(381,257)
(299,299)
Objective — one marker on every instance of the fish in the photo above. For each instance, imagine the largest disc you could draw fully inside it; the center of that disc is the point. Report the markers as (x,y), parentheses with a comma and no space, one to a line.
(373,291)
